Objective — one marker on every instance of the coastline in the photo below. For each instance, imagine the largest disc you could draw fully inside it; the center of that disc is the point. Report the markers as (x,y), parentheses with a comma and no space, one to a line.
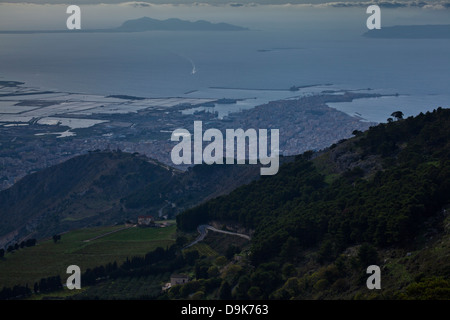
(52,127)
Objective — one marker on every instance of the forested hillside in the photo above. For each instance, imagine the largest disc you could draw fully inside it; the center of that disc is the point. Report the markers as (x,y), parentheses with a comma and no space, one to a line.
(397,180)
(381,197)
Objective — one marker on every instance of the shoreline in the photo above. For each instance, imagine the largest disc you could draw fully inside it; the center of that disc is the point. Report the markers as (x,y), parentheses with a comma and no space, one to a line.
(31,138)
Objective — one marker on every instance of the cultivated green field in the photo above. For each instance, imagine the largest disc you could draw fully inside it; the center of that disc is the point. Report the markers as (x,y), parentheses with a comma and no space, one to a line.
(204,250)
(29,265)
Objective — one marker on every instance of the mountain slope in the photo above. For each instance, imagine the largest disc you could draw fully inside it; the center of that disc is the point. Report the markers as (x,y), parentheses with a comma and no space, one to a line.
(368,200)
(380,198)
(77,192)
(103,188)
(410,183)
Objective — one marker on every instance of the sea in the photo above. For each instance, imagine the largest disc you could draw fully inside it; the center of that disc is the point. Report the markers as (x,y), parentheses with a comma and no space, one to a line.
(314,47)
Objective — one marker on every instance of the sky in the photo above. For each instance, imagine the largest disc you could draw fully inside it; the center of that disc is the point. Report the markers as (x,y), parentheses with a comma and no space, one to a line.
(391,3)
(40,16)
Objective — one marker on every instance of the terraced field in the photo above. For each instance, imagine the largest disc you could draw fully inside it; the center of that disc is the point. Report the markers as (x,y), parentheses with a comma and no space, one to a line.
(47,258)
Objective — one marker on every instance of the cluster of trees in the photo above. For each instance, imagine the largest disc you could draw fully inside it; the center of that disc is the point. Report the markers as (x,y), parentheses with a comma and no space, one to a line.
(297,207)
(128,288)
(49,284)
(252,204)
(207,282)
(17,246)
(196,289)
(44,285)
(431,288)
(16,292)
(163,262)
(235,283)
(330,280)
(154,262)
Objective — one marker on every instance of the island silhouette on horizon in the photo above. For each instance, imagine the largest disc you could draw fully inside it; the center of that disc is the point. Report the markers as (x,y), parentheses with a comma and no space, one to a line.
(146,24)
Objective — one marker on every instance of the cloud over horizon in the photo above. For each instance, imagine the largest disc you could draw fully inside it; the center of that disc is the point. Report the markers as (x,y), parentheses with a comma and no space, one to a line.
(432,4)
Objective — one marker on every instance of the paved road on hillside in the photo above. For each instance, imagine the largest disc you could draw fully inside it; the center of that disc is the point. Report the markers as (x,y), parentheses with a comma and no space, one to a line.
(203,230)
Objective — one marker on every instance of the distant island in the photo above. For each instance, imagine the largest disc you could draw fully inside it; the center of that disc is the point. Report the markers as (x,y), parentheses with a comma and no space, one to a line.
(411,32)
(149,24)
(146,24)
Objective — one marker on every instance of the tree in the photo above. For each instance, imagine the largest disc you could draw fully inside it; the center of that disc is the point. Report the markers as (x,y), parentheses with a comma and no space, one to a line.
(290,249)
(326,251)
(225,291)
(181,241)
(213,272)
(10,249)
(2,253)
(56,237)
(397,114)
(191,257)
(289,270)
(307,155)
(43,287)
(231,251)
(242,287)
(367,255)
(30,243)
(201,270)
(220,261)
(254,293)
(198,295)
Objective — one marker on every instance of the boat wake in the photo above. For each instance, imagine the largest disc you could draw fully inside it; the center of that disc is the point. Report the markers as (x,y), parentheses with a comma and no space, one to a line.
(194,68)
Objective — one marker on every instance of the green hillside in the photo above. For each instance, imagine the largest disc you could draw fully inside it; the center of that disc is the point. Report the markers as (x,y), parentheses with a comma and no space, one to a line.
(105,188)
(28,265)
(83,191)
(386,189)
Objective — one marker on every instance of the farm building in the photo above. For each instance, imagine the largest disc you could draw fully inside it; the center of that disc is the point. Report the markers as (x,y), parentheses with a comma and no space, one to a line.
(175,279)
(146,221)
(178,279)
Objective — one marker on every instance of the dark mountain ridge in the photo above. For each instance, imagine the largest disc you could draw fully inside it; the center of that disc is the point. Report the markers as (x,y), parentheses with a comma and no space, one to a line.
(146,24)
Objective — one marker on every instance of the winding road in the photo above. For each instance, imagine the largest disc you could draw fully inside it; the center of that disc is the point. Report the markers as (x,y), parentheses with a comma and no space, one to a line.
(203,231)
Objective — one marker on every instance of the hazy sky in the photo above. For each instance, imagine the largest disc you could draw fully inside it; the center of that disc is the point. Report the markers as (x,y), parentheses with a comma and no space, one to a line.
(25,16)
(445,2)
